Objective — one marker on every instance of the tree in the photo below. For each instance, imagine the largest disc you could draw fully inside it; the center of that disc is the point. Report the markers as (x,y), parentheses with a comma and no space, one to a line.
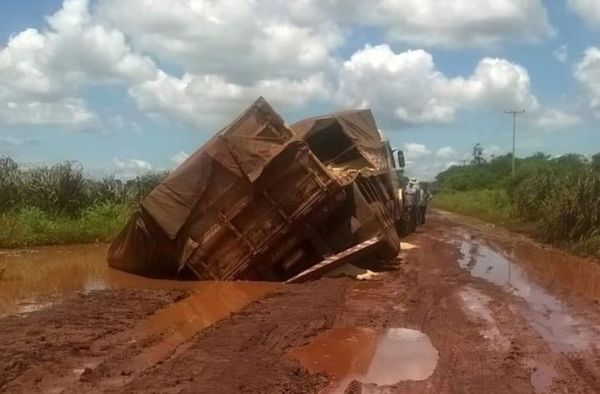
(478,158)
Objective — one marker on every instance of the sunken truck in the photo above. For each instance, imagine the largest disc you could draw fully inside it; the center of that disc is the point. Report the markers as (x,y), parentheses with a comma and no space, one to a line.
(265,201)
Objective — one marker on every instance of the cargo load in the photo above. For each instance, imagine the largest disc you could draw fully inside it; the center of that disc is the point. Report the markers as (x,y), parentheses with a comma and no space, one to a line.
(263,201)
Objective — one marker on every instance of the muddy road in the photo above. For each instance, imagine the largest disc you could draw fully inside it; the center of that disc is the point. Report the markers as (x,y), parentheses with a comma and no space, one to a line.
(467,308)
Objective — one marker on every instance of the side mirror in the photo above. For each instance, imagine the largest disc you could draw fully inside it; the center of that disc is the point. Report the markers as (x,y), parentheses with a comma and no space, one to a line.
(400,156)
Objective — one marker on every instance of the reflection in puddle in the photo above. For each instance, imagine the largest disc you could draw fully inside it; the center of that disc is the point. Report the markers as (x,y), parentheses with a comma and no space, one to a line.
(546,313)
(31,279)
(369,356)
(209,303)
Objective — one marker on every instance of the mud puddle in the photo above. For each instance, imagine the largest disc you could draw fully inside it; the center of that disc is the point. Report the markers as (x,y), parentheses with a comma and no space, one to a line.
(170,330)
(542,377)
(209,303)
(33,279)
(370,356)
(166,333)
(551,264)
(549,316)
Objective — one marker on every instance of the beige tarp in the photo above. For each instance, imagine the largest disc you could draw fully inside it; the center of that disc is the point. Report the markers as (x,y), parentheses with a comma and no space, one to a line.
(244,148)
(360,128)
(239,153)
(262,201)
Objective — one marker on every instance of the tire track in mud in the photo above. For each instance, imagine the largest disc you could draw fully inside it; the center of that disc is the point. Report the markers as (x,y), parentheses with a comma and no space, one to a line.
(485,341)
(467,362)
(48,350)
(482,332)
(508,313)
(247,353)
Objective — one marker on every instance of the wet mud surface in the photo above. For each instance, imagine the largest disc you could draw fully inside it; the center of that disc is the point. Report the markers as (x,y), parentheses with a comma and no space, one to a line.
(36,278)
(466,308)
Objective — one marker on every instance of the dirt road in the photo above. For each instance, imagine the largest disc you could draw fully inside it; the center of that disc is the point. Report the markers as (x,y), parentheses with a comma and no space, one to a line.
(468,308)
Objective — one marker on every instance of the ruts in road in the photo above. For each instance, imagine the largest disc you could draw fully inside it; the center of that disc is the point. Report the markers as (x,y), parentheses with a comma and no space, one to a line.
(466,308)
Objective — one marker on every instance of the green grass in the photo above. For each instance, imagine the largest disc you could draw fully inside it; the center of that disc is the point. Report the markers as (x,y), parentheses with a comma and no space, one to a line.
(491,205)
(556,200)
(49,205)
(31,226)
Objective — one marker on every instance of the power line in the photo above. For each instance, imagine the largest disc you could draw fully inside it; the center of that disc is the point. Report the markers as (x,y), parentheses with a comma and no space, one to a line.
(514,115)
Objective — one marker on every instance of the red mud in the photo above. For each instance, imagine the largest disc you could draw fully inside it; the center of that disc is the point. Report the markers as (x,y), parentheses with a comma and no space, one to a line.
(533,333)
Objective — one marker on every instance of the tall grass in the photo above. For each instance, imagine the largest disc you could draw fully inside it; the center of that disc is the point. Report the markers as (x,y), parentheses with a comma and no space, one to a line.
(58,204)
(557,200)
(573,212)
(488,204)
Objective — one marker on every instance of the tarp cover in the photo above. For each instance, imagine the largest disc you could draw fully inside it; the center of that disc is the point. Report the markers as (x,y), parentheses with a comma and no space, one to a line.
(360,127)
(244,148)
(358,124)
(149,244)
(247,192)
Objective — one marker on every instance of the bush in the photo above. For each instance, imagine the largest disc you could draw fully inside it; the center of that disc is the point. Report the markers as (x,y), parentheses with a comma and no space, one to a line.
(530,195)
(573,213)
(493,205)
(558,198)
(103,221)
(27,226)
(57,204)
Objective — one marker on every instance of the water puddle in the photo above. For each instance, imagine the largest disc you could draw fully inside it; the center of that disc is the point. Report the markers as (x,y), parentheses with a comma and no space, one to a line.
(545,313)
(209,303)
(32,279)
(35,279)
(542,377)
(380,357)
(578,274)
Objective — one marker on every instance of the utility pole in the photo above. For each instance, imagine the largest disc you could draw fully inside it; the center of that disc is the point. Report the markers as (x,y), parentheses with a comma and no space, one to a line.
(514,115)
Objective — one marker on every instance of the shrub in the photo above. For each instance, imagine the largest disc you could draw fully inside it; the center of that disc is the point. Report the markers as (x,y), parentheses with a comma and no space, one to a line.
(57,204)
(573,212)
(558,198)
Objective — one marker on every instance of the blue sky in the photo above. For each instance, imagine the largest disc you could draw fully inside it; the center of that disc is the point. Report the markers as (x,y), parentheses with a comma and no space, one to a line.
(127,86)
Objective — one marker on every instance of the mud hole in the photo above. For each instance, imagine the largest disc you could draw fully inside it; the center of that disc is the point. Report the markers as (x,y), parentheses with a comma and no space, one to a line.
(489,335)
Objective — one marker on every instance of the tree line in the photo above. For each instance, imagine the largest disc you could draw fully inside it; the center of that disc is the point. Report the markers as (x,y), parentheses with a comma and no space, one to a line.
(557,199)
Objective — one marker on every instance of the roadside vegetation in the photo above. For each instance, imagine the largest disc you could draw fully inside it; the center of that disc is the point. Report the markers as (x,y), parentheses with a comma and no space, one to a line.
(59,205)
(557,200)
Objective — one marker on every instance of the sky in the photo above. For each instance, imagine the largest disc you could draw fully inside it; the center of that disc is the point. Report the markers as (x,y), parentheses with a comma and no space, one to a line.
(129,86)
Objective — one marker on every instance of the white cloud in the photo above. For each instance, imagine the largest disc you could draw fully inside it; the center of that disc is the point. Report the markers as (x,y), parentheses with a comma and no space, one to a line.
(231,53)
(587,73)
(179,157)
(68,111)
(589,10)
(561,53)
(465,22)
(406,87)
(553,120)
(227,53)
(414,151)
(447,152)
(210,100)
(243,41)
(130,168)
(449,23)
(40,72)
